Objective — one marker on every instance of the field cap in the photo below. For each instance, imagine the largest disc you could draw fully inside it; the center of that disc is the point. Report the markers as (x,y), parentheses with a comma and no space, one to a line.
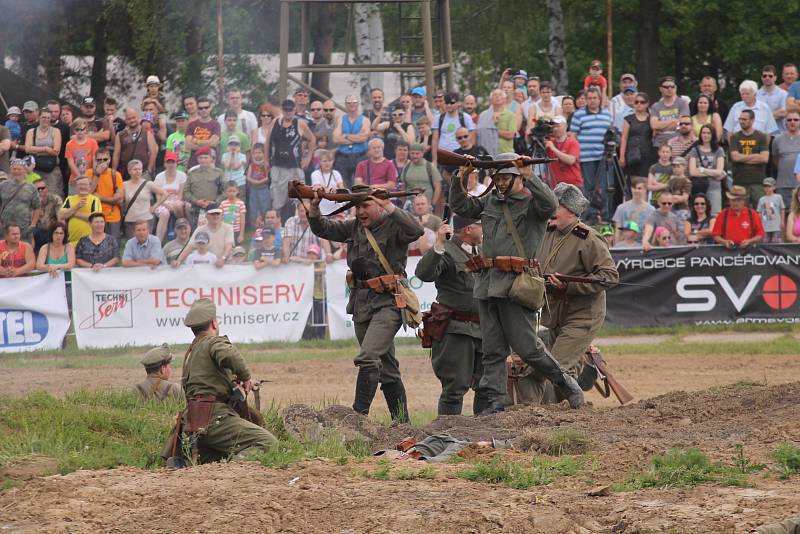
(416,147)
(30,105)
(157,356)
(460,222)
(202,312)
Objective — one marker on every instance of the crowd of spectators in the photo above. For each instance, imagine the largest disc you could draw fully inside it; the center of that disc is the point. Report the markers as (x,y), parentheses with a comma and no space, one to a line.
(148,186)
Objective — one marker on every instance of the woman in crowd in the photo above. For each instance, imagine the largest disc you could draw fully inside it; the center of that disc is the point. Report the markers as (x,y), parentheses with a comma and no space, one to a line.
(707,168)
(159,119)
(44,144)
(137,206)
(636,140)
(58,253)
(98,249)
(394,131)
(265,116)
(511,104)
(171,180)
(580,99)
(705,116)
(700,224)
(793,222)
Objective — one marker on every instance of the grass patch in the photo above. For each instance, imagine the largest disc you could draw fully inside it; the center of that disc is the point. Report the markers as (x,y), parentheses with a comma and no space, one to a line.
(7,484)
(426,473)
(86,430)
(686,468)
(787,458)
(556,443)
(330,445)
(521,475)
(419,419)
(783,345)
(696,329)
(739,385)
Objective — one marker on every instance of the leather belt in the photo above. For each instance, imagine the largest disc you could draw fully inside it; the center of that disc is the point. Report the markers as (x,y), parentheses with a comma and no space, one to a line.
(503,263)
(465,316)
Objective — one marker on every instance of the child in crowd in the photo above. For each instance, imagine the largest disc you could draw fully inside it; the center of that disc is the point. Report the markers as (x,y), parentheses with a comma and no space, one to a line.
(772,210)
(265,253)
(234,162)
(680,187)
(630,236)
(327,177)
(234,210)
(595,77)
(30,172)
(663,237)
(12,123)
(258,185)
(659,174)
(200,255)
(238,256)
(607,232)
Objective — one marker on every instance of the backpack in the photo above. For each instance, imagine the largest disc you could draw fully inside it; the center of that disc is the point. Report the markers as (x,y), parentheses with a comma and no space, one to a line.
(460,120)
(428,168)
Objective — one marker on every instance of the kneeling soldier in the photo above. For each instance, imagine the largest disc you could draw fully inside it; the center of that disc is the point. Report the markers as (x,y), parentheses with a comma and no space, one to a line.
(453,324)
(209,369)
(157,386)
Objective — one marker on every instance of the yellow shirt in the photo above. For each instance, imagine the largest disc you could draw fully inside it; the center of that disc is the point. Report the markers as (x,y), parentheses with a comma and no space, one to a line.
(78,228)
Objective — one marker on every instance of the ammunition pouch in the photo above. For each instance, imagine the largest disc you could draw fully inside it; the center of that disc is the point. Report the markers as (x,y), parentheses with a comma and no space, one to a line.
(198,411)
(528,289)
(434,324)
(476,264)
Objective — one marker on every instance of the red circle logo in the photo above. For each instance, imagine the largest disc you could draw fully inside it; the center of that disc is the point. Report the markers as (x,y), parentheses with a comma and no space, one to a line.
(779,292)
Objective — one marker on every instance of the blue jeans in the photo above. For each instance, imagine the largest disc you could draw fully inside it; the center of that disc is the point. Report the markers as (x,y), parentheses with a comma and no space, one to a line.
(260,202)
(596,177)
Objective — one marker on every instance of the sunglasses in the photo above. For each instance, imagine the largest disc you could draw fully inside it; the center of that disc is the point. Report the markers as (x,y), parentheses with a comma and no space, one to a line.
(100,160)
(792,120)
(266,115)
(693,242)
(80,129)
(203,107)
(685,123)
(668,86)
(768,75)
(328,110)
(462,137)
(699,203)
(665,203)
(640,101)
(41,188)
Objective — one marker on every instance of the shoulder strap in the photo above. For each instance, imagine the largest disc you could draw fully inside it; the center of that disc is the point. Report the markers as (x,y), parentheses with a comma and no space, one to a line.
(513,230)
(378,252)
(369,174)
(750,217)
(133,199)
(461,119)
(429,168)
(441,122)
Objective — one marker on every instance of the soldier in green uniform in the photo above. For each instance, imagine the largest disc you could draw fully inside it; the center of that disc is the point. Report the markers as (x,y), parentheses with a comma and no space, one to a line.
(528,203)
(576,310)
(210,365)
(157,386)
(376,317)
(456,354)
(790,526)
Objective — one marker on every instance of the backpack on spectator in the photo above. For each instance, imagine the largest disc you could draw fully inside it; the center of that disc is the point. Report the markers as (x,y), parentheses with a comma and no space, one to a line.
(460,120)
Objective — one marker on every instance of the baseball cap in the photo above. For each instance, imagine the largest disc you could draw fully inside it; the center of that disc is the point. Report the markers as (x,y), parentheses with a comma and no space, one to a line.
(202,237)
(558,119)
(152,80)
(769,181)
(606,230)
(213,208)
(419,91)
(30,105)
(239,251)
(234,140)
(180,115)
(627,76)
(313,248)
(13,110)
(265,232)
(88,101)
(632,226)
(170,156)
(450,98)
(678,160)
(596,63)
(182,222)
(203,151)
(520,74)
(287,105)
(630,89)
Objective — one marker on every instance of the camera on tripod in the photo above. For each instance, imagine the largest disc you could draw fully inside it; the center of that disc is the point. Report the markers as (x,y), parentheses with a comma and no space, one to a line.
(611,140)
(542,130)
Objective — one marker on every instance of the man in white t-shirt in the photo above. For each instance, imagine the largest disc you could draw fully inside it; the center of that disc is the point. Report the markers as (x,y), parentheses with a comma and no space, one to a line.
(246,120)
(220,236)
(445,126)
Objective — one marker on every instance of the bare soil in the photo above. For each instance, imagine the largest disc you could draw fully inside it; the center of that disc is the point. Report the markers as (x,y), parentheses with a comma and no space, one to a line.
(321,496)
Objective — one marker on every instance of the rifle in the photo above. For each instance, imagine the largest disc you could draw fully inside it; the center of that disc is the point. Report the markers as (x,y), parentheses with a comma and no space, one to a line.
(299,190)
(594,358)
(451,159)
(238,402)
(591,280)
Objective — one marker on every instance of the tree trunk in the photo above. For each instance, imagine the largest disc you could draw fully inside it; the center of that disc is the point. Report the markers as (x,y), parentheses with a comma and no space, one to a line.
(192,72)
(100,64)
(647,48)
(556,49)
(323,46)
(368,29)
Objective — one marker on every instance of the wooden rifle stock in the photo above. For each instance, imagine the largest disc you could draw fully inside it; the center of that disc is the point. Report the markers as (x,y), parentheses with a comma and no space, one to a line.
(451,159)
(596,359)
(300,190)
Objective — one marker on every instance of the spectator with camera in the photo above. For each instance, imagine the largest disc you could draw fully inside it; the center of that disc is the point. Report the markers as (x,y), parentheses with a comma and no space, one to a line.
(566,151)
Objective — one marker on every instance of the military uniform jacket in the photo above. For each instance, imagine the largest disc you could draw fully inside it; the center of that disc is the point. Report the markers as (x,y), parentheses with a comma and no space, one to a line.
(393,235)
(203,183)
(209,366)
(454,284)
(578,250)
(530,209)
(156,388)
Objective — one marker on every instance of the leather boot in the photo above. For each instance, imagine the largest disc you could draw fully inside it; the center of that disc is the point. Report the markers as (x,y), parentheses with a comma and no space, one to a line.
(492,408)
(568,387)
(449,408)
(366,386)
(479,403)
(395,395)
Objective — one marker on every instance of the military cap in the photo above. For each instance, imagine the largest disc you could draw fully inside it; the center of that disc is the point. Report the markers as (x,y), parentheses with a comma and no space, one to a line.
(361,188)
(570,197)
(460,222)
(507,156)
(416,147)
(157,356)
(201,312)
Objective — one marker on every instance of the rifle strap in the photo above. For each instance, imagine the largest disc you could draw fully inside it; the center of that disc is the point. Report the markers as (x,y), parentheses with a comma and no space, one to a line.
(512,229)
(13,195)
(381,258)
(560,243)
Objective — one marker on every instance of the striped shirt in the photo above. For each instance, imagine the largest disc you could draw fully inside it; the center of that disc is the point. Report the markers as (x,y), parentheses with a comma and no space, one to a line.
(591,127)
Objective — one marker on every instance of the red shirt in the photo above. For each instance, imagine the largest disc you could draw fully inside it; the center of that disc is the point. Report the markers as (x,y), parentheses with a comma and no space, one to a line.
(14,259)
(376,173)
(600,80)
(560,171)
(737,228)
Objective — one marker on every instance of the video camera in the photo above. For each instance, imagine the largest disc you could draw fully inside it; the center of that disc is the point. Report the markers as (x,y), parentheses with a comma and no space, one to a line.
(611,140)
(543,129)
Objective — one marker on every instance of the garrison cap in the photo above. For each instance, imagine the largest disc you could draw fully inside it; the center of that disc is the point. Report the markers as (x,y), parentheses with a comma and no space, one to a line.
(507,156)
(201,312)
(460,222)
(361,188)
(157,356)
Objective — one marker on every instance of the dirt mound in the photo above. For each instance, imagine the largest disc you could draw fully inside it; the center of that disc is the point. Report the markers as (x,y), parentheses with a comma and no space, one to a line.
(322,496)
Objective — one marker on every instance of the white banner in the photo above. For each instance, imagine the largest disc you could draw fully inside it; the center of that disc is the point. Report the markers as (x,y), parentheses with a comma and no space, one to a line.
(142,306)
(33,313)
(340,324)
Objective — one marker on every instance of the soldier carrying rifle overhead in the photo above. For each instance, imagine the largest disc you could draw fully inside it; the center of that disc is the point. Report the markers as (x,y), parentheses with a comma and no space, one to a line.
(514,215)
